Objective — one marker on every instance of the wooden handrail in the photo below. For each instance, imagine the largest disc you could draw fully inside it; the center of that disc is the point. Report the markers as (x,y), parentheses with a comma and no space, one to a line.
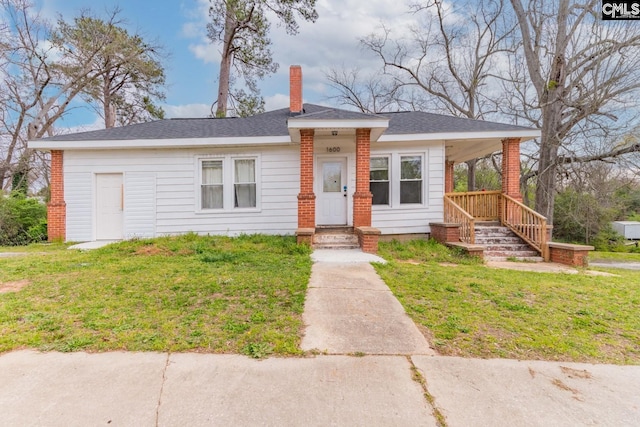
(481,205)
(453,213)
(467,208)
(526,223)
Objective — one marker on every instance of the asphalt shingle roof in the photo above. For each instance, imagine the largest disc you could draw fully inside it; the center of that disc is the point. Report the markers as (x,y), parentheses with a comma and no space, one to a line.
(274,123)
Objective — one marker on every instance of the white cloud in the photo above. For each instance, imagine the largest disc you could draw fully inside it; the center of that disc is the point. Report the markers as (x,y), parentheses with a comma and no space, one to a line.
(277,101)
(333,41)
(208,52)
(97,124)
(187,111)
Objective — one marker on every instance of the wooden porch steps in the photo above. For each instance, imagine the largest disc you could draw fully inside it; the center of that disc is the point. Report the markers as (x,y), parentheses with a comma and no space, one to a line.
(501,244)
(335,238)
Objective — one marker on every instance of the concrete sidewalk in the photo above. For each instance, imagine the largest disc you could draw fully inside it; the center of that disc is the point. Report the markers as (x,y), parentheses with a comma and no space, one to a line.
(157,389)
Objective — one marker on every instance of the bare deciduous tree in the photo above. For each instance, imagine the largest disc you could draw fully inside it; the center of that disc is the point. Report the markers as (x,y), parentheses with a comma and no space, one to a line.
(447,63)
(582,76)
(42,73)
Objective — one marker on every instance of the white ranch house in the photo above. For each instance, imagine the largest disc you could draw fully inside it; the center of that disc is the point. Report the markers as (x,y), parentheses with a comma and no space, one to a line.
(289,171)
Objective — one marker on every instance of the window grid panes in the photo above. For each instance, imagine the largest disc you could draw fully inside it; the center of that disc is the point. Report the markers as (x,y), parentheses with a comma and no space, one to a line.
(244,184)
(410,179)
(379,180)
(211,189)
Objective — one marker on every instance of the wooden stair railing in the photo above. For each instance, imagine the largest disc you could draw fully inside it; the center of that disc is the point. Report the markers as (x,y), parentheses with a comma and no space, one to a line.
(456,215)
(526,223)
(466,208)
(481,205)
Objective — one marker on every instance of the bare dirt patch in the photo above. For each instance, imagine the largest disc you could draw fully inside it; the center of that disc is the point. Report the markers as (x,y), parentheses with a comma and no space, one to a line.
(558,383)
(151,250)
(13,286)
(575,373)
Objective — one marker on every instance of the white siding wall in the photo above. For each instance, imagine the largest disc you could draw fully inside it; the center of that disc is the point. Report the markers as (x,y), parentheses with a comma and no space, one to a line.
(171,208)
(78,194)
(162,191)
(399,219)
(139,205)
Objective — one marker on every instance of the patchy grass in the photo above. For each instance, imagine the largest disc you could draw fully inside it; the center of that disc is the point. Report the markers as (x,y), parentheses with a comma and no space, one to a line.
(470,310)
(187,293)
(614,256)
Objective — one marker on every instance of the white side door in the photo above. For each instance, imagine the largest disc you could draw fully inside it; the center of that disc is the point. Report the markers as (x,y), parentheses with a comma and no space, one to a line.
(109,206)
(331,182)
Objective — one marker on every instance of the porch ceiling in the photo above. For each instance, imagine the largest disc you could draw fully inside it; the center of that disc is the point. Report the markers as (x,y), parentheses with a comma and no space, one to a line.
(461,150)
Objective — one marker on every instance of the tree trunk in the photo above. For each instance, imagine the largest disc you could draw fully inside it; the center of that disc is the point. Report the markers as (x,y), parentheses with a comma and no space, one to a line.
(546,182)
(471,174)
(225,66)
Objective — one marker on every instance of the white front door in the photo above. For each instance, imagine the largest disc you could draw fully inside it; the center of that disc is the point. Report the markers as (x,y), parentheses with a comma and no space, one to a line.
(331,188)
(109,206)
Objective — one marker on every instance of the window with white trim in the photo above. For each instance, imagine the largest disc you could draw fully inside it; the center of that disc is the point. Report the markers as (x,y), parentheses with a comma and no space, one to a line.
(228,183)
(244,183)
(379,180)
(410,179)
(212,184)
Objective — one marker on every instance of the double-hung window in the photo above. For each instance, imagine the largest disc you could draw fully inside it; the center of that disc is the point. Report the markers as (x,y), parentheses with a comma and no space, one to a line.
(211,189)
(244,183)
(379,180)
(410,179)
(228,182)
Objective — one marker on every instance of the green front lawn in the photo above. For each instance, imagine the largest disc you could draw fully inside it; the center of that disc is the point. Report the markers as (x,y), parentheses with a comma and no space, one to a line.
(188,293)
(246,295)
(471,310)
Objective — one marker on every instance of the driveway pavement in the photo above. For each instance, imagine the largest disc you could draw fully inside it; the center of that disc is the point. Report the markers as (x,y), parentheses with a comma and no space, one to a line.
(372,368)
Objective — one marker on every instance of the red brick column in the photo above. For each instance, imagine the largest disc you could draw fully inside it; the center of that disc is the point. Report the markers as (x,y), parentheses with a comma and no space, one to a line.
(448,177)
(306,198)
(57,208)
(511,168)
(362,196)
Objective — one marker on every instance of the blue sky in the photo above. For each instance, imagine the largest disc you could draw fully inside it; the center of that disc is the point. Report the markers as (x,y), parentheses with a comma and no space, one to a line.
(192,64)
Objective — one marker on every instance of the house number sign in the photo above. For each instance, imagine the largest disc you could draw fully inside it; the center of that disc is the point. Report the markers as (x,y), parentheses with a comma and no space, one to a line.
(333,149)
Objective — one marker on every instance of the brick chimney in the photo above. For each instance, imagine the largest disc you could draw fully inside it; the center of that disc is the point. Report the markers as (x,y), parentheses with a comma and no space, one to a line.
(295,89)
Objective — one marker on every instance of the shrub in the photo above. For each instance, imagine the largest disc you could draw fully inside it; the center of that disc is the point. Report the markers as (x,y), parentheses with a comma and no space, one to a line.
(22,220)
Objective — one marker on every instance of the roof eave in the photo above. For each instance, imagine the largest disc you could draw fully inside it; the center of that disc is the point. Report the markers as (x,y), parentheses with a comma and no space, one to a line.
(523,135)
(47,145)
(377,126)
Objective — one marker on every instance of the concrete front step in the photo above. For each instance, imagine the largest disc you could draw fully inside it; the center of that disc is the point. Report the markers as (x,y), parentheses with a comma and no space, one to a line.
(508,247)
(336,246)
(494,233)
(511,254)
(509,240)
(516,258)
(335,239)
(501,243)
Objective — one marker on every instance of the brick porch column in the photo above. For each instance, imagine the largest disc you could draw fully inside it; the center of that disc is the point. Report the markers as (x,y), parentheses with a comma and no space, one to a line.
(362,196)
(306,197)
(448,177)
(511,168)
(57,208)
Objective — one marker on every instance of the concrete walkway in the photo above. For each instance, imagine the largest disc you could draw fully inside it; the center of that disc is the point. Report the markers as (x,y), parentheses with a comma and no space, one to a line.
(349,309)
